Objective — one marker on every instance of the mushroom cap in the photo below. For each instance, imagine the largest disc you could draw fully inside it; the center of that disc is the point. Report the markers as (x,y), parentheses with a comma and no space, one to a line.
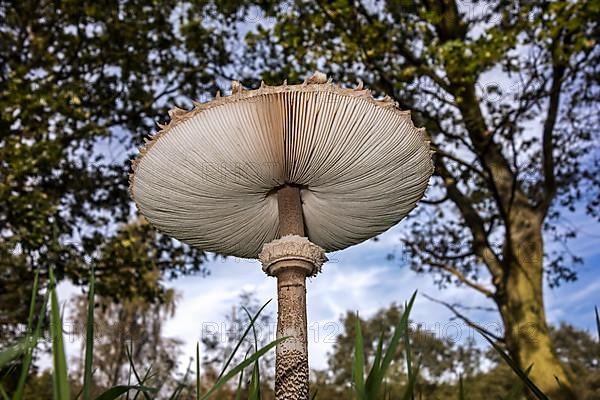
(209,178)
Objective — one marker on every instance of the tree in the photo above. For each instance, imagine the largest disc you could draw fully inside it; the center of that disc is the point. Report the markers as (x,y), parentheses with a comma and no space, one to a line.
(135,325)
(580,353)
(219,344)
(441,362)
(81,84)
(508,92)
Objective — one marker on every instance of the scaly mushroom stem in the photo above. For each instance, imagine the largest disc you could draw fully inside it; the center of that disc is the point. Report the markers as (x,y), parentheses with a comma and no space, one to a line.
(291,259)
(291,365)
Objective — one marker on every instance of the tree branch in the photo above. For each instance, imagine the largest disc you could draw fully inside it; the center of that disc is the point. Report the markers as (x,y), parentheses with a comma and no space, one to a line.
(435,202)
(472,219)
(461,277)
(461,316)
(457,160)
(355,32)
(558,71)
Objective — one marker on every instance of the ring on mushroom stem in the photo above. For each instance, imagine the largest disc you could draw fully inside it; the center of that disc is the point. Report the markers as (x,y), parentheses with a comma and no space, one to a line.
(304,169)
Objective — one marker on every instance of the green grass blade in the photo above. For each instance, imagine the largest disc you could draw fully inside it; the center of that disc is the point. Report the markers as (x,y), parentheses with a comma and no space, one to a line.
(137,376)
(255,381)
(225,378)
(3,393)
(517,390)
(528,382)
(197,370)
(18,394)
(116,391)
(238,392)
(254,393)
(13,352)
(393,345)
(89,340)
(239,343)
(374,373)
(409,393)
(128,383)
(60,372)
(32,302)
(407,349)
(181,385)
(358,372)
(147,376)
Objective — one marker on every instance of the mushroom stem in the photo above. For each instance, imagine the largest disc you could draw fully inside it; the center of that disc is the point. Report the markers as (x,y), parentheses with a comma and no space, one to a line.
(289,203)
(291,259)
(291,366)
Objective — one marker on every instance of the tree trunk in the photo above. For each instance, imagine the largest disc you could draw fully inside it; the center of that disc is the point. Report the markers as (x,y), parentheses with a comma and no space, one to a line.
(521,305)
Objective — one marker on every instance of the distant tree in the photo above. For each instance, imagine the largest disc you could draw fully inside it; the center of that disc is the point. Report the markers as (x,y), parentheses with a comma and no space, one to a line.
(39,387)
(508,91)
(580,352)
(485,375)
(135,324)
(219,345)
(441,361)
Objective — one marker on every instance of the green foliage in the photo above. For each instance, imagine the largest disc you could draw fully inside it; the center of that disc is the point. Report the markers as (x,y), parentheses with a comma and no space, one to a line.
(81,85)
(198,371)
(437,356)
(578,346)
(89,339)
(359,361)
(60,372)
(220,349)
(34,337)
(374,386)
(580,352)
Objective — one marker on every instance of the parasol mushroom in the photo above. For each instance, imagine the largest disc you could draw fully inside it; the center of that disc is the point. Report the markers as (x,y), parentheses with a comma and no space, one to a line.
(284,174)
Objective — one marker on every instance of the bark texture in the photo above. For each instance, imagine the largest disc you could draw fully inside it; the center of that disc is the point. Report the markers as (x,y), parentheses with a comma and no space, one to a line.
(521,304)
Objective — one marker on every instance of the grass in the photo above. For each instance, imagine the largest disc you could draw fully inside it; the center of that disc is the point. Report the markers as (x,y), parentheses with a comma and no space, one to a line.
(24,349)
(368,381)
